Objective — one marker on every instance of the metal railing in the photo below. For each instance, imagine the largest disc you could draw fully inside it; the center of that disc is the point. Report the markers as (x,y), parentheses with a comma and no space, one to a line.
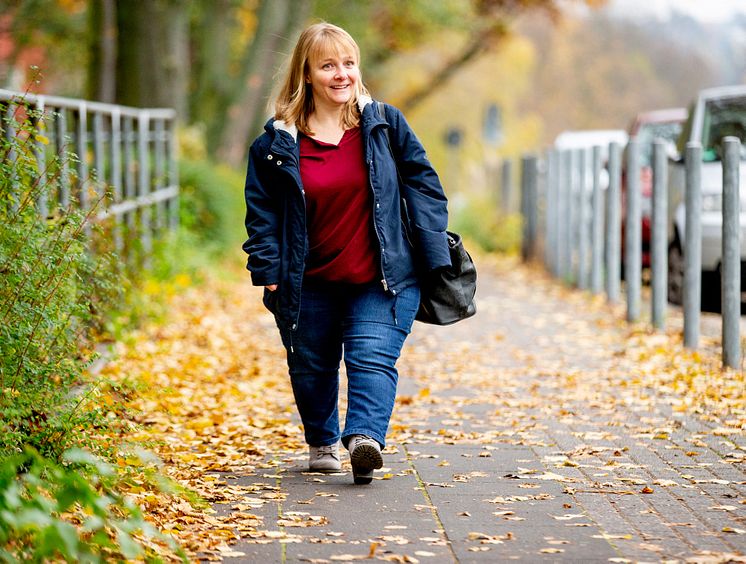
(125,162)
(571,222)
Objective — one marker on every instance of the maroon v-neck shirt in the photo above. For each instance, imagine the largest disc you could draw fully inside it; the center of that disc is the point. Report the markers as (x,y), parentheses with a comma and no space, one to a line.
(342,243)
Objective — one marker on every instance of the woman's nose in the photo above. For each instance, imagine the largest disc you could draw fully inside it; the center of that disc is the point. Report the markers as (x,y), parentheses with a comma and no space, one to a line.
(341,73)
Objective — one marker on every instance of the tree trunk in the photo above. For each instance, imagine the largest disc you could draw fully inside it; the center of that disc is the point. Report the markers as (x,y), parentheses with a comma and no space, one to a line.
(211,72)
(295,22)
(258,69)
(102,70)
(153,48)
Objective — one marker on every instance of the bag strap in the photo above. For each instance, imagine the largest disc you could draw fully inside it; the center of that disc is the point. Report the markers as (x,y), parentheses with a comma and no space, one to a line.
(382,112)
(403,203)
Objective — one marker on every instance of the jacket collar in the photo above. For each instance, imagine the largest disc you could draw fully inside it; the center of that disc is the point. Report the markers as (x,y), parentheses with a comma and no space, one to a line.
(368,120)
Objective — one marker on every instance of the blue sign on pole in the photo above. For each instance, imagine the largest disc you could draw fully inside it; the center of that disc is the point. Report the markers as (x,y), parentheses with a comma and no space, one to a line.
(492,128)
(453,137)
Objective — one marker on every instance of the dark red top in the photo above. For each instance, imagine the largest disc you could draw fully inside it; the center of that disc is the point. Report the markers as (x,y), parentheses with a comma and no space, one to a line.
(342,243)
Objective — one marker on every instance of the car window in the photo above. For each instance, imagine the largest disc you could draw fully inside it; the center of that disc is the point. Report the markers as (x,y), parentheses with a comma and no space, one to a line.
(722,118)
(649,132)
(686,133)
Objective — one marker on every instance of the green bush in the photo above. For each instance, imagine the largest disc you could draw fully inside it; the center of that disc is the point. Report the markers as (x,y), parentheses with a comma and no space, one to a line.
(212,206)
(51,289)
(72,511)
(480,221)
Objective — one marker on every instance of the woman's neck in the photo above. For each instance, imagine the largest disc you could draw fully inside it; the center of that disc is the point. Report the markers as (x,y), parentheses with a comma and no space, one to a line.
(326,124)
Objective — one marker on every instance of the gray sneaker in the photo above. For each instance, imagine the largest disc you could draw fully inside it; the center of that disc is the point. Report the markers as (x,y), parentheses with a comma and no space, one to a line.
(365,456)
(324,458)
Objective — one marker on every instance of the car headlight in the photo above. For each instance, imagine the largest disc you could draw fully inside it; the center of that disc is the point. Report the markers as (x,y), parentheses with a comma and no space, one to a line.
(712,202)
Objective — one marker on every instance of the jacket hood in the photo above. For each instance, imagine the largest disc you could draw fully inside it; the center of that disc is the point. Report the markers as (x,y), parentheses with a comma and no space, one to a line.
(292,130)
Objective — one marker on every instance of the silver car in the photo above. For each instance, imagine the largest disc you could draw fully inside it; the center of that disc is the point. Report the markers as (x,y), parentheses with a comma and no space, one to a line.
(717,113)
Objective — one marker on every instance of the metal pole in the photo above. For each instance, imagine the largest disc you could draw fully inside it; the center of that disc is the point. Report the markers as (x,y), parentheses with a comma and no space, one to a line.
(572,216)
(565,257)
(524,209)
(633,233)
(555,175)
(659,236)
(173,175)
(597,234)
(40,153)
(731,267)
(115,177)
(506,186)
(550,209)
(614,224)
(81,146)
(582,221)
(143,184)
(532,184)
(61,141)
(693,245)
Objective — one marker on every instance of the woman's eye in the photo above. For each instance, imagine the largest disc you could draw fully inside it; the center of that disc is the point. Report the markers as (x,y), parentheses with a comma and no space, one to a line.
(350,63)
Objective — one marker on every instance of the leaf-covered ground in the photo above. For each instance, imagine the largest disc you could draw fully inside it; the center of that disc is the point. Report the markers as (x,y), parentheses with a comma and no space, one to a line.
(543,428)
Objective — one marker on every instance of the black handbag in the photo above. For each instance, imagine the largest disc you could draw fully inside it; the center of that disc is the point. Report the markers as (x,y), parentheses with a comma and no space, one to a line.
(446,294)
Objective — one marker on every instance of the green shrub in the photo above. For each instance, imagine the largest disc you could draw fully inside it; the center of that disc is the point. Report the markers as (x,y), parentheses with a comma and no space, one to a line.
(212,206)
(72,511)
(51,289)
(481,221)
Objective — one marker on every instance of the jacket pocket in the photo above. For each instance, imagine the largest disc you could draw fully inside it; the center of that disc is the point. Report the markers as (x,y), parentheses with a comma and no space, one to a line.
(270,300)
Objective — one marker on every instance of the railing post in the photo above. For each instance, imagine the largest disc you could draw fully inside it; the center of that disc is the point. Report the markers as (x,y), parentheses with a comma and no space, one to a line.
(128,166)
(506,186)
(173,176)
(9,131)
(582,220)
(565,254)
(633,233)
(143,184)
(98,150)
(42,201)
(597,218)
(613,224)
(731,267)
(693,245)
(81,144)
(116,174)
(659,236)
(550,210)
(159,165)
(528,205)
(60,142)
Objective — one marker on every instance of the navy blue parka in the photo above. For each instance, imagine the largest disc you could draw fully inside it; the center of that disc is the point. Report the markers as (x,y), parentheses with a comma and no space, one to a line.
(276,212)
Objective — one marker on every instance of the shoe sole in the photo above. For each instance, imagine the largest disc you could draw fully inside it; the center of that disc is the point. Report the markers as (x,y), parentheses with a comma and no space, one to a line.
(364,460)
(325,470)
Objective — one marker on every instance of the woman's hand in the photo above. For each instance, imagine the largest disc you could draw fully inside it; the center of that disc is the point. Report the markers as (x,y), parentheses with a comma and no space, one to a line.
(271,287)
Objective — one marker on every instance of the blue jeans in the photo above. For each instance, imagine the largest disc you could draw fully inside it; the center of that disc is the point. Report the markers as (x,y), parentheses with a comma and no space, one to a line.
(369,327)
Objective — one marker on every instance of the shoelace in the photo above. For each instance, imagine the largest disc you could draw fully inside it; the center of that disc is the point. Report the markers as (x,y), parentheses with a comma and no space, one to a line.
(325,450)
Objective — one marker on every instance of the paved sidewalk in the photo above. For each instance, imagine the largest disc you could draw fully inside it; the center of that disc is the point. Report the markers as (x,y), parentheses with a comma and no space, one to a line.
(522,434)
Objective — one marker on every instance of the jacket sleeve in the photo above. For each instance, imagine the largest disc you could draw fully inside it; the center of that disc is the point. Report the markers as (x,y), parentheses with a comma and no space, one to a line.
(422,192)
(263,224)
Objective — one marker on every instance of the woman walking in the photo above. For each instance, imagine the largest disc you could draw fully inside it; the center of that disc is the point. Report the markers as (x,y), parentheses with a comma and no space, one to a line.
(327,241)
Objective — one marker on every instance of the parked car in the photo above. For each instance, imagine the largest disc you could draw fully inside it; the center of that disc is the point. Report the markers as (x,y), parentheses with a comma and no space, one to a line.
(646,128)
(589,138)
(716,113)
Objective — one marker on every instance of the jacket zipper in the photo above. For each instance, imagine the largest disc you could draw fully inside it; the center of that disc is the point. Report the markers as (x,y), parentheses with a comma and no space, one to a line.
(298,184)
(375,227)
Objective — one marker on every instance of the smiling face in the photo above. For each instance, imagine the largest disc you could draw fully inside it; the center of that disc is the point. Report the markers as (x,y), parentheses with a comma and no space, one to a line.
(333,77)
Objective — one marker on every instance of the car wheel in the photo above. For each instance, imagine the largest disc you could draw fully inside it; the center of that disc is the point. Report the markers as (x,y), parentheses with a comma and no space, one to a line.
(675,273)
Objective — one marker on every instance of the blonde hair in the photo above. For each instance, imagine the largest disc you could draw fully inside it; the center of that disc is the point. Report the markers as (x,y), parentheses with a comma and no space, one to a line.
(294,104)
